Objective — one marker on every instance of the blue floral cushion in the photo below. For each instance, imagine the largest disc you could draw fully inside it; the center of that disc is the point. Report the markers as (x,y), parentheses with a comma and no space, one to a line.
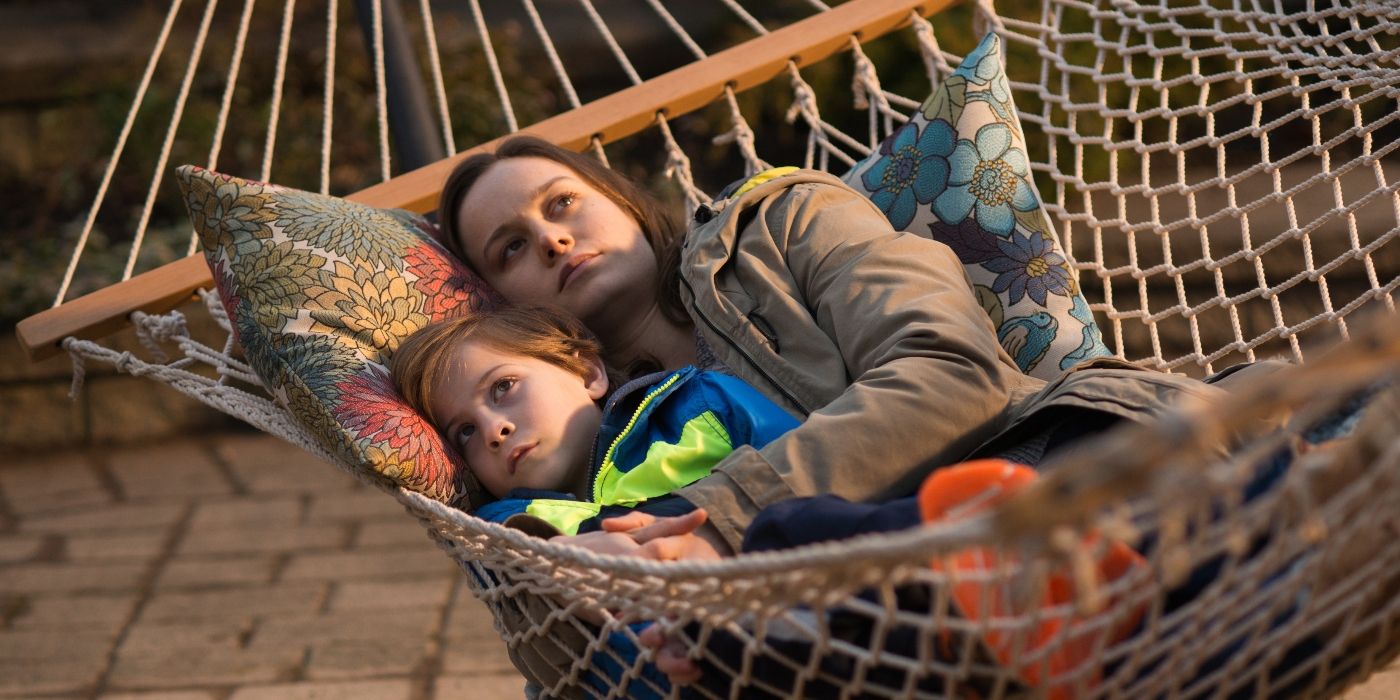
(958,171)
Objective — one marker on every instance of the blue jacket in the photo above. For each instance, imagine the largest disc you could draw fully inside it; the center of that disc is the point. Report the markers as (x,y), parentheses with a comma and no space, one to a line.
(658,433)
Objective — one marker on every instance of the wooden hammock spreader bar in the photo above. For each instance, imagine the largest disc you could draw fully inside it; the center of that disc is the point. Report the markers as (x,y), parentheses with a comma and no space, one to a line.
(610,118)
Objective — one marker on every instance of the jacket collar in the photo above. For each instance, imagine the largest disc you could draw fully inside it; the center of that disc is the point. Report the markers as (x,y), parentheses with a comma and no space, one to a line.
(629,407)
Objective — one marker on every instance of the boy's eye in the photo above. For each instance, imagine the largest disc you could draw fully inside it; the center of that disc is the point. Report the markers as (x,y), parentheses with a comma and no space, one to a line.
(500,388)
(509,250)
(465,433)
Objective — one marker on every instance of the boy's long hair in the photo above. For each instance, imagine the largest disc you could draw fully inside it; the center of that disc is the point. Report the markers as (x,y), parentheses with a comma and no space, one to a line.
(662,229)
(542,333)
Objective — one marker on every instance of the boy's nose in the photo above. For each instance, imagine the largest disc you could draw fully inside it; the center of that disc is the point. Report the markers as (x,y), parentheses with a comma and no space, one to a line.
(502,432)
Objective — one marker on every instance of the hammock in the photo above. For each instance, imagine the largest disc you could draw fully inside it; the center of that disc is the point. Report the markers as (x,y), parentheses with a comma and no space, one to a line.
(1192,255)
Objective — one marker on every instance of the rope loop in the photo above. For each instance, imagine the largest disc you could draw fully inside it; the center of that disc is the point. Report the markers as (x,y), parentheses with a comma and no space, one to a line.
(868,95)
(216,309)
(151,331)
(147,330)
(985,18)
(865,83)
(741,135)
(804,99)
(934,63)
(678,168)
(79,368)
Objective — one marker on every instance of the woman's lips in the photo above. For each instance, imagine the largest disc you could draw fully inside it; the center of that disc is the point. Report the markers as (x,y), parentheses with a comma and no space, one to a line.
(571,268)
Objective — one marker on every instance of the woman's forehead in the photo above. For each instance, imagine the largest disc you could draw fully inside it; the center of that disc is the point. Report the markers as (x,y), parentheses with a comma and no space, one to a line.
(507,188)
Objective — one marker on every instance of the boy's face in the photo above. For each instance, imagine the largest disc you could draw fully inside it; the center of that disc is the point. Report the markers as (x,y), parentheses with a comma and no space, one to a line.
(520,422)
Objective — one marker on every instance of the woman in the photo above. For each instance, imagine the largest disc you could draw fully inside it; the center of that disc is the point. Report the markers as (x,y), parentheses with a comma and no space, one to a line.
(799,286)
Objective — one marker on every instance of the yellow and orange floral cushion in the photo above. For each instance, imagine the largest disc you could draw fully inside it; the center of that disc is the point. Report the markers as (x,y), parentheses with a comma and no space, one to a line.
(321,291)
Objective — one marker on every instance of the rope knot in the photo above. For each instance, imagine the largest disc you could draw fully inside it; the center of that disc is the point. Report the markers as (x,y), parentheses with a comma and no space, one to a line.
(153,330)
(804,99)
(79,367)
(865,82)
(985,18)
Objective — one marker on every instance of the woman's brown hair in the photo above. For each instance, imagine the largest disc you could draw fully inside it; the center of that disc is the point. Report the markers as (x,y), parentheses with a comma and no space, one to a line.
(658,223)
(542,333)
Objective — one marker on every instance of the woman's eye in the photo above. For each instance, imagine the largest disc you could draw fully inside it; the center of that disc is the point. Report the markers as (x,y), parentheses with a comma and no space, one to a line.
(564,201)
(500,388)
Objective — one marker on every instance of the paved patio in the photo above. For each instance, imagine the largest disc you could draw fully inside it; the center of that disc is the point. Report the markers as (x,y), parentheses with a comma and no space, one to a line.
(233,566)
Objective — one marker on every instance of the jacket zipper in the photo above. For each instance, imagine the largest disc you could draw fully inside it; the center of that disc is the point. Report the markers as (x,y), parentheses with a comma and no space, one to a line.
(781,389)
(595,460)
(632,422)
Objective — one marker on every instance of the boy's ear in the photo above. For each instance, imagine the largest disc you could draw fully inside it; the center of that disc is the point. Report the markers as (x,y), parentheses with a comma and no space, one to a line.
(597,380)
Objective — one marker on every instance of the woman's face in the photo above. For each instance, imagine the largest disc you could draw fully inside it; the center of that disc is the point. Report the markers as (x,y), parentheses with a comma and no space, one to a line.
(540,234)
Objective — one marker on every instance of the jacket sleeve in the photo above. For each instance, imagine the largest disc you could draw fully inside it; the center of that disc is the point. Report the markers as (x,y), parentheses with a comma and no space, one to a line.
(928,381)
(747,416)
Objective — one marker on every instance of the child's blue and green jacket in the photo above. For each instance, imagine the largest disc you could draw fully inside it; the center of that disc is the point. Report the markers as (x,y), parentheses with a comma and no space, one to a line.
(659,433)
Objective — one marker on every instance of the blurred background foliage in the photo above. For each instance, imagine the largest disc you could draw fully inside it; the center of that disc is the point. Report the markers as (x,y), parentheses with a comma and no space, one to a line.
(60,119)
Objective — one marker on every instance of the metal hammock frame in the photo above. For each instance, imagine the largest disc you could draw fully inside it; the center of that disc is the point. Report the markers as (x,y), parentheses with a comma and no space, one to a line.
(1148,189)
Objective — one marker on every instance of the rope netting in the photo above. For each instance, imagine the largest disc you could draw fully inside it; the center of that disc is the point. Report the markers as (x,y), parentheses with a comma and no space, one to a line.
(1240,156)
(1217,173)
(1258,582)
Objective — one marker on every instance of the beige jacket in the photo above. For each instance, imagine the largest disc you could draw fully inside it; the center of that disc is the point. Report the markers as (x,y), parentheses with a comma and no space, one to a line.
(872,336)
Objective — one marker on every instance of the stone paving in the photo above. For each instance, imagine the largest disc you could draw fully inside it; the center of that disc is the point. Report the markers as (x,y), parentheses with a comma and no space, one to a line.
(233,566)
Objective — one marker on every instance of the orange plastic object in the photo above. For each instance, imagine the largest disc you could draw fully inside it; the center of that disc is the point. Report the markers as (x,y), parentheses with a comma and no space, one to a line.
(961,490)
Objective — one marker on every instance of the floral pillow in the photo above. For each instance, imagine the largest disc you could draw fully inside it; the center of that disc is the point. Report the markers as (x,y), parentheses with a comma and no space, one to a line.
(321,291)
(958,171)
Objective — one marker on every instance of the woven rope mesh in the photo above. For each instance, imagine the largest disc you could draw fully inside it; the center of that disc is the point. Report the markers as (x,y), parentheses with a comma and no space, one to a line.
(1223,175)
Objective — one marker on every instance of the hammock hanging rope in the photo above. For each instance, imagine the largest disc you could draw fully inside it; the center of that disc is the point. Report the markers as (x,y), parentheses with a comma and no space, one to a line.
(1220,177)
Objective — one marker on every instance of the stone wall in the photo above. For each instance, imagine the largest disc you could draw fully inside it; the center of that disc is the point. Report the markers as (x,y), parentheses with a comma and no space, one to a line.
(111,408)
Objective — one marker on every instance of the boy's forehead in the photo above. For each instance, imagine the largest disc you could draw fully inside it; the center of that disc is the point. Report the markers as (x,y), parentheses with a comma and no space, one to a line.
(472,361)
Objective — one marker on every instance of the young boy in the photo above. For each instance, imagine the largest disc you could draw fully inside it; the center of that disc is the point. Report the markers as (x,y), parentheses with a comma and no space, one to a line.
(519,392)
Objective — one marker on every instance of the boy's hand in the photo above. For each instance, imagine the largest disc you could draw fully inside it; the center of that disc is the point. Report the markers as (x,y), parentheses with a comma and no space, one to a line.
(664,539)
(601,543)
(670,656)
(672,538)
(649,537)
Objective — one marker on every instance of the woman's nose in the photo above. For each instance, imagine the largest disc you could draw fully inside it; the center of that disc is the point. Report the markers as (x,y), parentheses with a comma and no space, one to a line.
(555,243)
(500,433)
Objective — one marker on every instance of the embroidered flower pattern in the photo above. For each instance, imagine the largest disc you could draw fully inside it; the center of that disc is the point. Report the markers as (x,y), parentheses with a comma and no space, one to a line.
(972,243)
(320,292)
(987,179)
(912,170)
(401,445)
(447,291)
(985,62)
(374,309)
(975,194)
(225,214)
(347,229)
(1031,267)
(321,362)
